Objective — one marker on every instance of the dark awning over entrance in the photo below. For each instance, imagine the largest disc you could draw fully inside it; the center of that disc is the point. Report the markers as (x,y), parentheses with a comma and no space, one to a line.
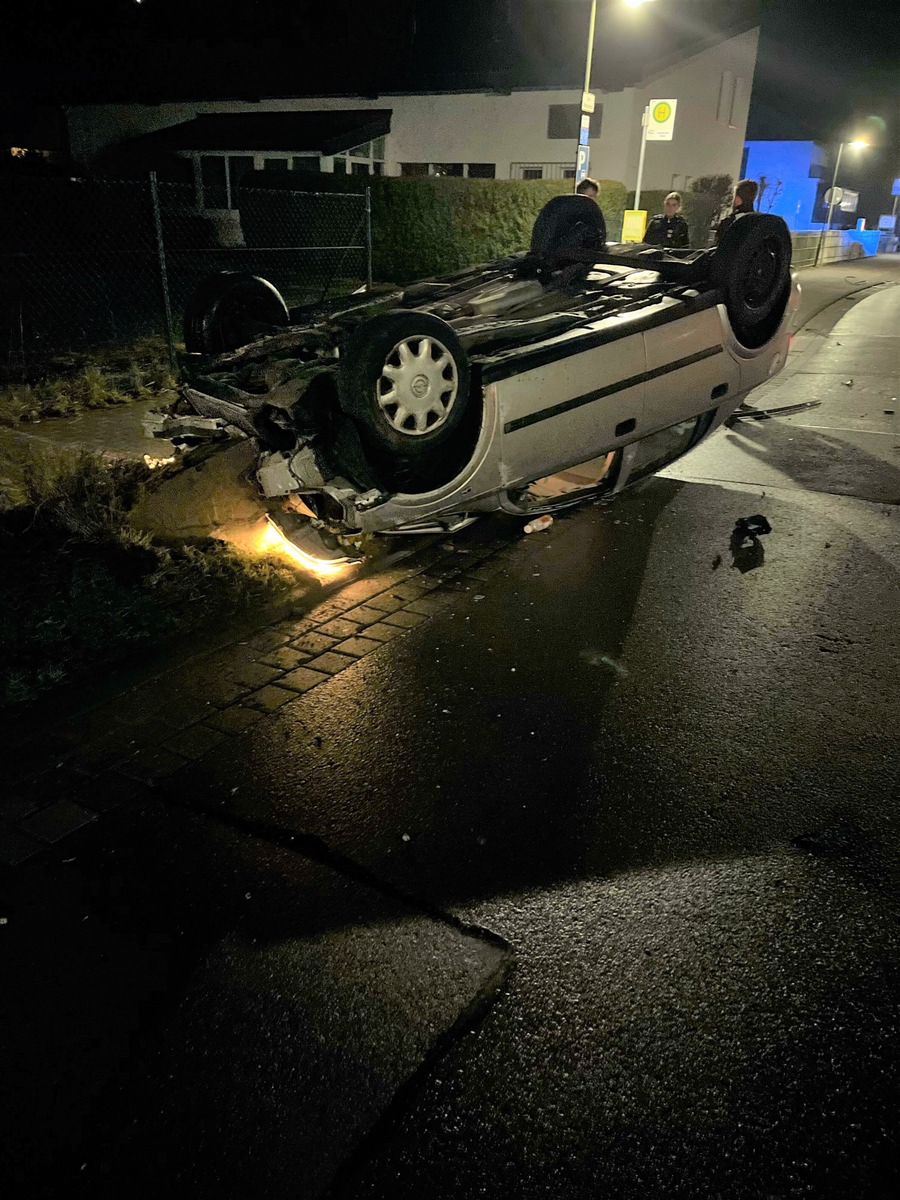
(323,133)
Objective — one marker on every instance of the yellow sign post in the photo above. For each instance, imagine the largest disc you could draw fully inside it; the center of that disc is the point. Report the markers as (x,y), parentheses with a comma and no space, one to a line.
(634,222)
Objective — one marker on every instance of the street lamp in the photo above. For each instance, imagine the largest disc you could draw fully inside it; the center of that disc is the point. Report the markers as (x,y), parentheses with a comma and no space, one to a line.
(856,144)
(589,58)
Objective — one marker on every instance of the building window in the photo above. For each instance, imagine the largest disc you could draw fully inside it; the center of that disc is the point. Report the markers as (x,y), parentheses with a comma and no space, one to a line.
(238,166)
(737,95)
(306,162)
(532,172)
(275,164)
(730,93)
(564,122)
(454,169)
(414,169)
(482,170)
(568,173)
(365,159)
(214,179)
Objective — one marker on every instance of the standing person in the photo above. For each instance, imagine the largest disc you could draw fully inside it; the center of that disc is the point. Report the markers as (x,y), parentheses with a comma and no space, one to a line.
(669,229)
(572,222)
(744,199)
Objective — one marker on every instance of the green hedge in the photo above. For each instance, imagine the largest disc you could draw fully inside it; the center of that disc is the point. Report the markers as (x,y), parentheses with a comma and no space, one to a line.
(425,227)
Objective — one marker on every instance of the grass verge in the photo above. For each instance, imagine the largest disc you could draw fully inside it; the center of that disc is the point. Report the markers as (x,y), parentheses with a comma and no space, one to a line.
(105,378)
(80,591)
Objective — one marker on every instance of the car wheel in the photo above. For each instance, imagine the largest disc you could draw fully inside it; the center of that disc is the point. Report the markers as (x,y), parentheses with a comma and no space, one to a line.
(404,377)
(231,309)
(752,267)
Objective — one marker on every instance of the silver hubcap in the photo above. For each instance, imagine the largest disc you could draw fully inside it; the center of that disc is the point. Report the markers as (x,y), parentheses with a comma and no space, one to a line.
(418,386)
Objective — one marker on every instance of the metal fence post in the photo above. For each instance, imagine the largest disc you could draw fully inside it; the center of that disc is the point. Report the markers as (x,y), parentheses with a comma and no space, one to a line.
(369,238)
(163,273)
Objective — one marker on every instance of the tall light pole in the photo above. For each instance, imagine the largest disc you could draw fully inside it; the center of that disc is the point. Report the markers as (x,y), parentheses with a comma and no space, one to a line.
(588,63)
(858,144)
(589,60)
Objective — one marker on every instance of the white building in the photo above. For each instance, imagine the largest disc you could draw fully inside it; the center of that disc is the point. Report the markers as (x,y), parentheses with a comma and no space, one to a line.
(527,134)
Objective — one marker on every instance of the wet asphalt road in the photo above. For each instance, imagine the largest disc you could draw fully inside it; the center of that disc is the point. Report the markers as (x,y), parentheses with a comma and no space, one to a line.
(663,774)
(671,785)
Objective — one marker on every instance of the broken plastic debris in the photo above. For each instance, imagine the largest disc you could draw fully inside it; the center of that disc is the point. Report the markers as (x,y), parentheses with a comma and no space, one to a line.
(755,526)
(247,895)
(4,920)
(848,383)
(404,837)
(746,549)
(539,523)
(478,597)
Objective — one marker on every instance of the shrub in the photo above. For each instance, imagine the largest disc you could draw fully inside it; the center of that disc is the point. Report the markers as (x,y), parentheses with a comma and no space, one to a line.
(426,227)
(81,590)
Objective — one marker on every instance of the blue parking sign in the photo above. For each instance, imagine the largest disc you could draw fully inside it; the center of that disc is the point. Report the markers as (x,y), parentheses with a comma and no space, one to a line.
(585,132)
(583,164)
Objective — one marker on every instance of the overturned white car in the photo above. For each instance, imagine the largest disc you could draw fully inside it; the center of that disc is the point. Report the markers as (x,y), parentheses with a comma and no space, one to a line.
(417,410)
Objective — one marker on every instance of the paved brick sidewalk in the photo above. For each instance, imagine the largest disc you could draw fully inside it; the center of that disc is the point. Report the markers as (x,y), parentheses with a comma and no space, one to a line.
(90,765)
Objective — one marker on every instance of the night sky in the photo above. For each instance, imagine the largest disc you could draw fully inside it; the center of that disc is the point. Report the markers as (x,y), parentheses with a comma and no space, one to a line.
(824,67)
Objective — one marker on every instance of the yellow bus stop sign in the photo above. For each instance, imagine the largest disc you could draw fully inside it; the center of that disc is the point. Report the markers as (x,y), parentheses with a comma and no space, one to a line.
(661,120)
(634,222)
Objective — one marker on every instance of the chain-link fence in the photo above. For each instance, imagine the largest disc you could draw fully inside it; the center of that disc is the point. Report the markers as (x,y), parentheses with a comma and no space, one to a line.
(90,264)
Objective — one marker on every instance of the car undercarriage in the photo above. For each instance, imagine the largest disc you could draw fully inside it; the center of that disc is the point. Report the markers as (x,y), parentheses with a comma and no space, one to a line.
(417,408)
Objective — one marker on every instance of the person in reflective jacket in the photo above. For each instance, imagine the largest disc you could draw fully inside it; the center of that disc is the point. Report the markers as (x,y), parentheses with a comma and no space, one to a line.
(668,229)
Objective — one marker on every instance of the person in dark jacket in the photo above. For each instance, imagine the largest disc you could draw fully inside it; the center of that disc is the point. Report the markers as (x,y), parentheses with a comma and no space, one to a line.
(573,222)
(669,229)
(744,199)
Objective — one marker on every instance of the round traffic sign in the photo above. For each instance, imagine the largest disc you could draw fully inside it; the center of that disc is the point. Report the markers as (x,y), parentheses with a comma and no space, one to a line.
(834,195)
(662,112)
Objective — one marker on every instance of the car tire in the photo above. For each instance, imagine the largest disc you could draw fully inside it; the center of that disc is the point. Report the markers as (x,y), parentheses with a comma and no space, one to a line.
(231,309)
(752,268)
(563,225)
(404,377)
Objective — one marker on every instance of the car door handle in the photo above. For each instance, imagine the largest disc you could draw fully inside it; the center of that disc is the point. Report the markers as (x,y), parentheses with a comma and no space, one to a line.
(624,427)
(721,389)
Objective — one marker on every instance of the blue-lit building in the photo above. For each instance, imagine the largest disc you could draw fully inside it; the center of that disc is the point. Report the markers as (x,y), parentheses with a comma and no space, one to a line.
(793,177)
